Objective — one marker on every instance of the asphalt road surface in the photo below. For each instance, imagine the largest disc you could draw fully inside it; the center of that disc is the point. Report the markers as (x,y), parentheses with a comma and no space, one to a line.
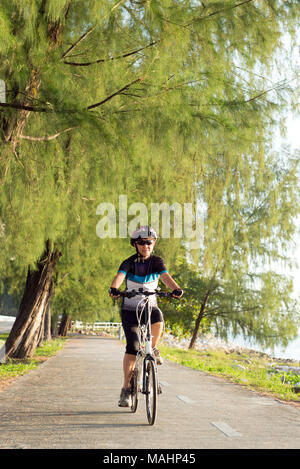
(70,402)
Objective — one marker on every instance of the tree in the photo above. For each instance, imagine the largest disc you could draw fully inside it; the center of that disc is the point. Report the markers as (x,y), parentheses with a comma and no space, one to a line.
(258,305)
(65,324)
(47,325)
(90,90)
(38,291)
(234,286)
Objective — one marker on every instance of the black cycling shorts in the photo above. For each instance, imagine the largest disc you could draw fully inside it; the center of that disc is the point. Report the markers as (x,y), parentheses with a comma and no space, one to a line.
(130,326)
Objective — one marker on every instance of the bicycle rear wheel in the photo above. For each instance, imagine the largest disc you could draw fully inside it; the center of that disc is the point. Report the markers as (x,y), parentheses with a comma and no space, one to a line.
(151,392)
(134,391)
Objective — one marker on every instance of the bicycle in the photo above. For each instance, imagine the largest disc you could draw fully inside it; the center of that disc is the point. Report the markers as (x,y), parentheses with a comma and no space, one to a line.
(145,376)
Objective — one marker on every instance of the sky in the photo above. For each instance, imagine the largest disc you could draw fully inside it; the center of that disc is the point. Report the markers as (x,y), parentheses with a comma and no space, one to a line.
(293,138)
(293,349)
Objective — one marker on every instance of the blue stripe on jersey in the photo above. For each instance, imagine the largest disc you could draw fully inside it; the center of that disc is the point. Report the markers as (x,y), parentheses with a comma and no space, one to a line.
(162,272)
(142,278)
(122,272)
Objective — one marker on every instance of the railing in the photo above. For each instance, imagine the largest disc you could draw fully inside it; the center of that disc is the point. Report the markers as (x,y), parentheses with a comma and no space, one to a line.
(96,326)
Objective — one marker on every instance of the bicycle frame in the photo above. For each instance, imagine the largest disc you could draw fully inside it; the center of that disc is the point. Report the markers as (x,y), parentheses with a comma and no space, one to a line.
(145,351)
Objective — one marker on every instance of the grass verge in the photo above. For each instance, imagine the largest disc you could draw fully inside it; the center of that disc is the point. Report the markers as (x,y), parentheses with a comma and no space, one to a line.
(250,370)
(13,368)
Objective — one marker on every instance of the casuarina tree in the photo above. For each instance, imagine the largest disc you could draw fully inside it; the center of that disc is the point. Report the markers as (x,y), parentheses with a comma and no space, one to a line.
(134,98)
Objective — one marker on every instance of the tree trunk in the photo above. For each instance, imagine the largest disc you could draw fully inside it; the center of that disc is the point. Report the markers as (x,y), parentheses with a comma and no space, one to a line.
(201,314)
(13,128)
(54,326)
(41,331)
(196,328)
(47,324)
(25,333)
(64,324)
(45,328)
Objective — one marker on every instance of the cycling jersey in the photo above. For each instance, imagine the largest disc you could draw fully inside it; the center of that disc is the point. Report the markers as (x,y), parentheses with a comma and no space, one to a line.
(141,273)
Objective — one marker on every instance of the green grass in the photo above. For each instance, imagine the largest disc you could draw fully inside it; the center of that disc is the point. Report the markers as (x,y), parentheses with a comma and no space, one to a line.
(13,368)
(50,348)
(250,370)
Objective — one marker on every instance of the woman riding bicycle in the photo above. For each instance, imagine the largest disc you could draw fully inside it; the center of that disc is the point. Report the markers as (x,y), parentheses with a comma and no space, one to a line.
(142,270)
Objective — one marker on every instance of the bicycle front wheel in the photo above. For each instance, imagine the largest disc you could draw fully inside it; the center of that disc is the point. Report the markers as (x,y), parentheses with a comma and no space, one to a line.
(151,392)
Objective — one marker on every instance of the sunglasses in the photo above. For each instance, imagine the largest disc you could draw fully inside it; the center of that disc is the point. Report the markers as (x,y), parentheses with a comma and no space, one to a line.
(143,242)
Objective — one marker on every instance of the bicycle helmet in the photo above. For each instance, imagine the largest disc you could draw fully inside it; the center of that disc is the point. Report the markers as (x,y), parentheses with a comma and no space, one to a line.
(142,232)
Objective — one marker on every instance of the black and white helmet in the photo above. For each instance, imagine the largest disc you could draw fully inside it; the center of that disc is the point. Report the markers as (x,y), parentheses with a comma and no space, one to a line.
(143,232)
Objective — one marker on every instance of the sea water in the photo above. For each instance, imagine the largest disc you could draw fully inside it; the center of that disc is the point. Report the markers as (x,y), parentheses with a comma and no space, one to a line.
(292,350)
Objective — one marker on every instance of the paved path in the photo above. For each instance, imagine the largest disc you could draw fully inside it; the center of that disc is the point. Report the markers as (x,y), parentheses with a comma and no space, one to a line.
(70,401)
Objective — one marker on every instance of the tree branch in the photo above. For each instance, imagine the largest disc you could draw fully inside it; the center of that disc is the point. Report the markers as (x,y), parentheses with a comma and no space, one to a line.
(256,209)
(200,18)
(84,36)
(215,312)
(86,64)
(278,86)
(115,94)
(92,106)
(23,107)
(47,137)
(87,33)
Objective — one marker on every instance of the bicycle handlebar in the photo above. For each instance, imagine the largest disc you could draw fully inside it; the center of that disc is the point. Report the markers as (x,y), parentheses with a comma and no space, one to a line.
(140,291)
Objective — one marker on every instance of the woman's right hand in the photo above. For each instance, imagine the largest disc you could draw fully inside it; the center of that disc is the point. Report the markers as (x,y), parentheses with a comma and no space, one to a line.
(114,292)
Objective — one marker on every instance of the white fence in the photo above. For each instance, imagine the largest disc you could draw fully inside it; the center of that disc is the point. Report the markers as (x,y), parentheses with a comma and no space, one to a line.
(6,323)
(86,327)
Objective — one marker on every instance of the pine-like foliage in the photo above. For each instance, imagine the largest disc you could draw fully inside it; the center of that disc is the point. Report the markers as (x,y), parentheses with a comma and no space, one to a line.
(162,101)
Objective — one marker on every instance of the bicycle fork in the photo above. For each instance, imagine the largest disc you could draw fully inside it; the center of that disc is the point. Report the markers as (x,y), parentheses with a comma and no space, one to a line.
(147,358)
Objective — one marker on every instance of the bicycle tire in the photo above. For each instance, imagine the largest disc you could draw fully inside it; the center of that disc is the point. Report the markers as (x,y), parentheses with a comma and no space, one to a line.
(134,391)
(151,391)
